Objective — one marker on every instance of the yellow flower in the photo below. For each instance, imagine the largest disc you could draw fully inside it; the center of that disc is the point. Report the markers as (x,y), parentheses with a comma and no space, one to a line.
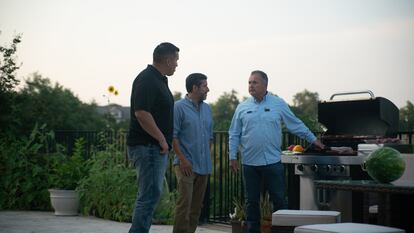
(116,92)
(111,89)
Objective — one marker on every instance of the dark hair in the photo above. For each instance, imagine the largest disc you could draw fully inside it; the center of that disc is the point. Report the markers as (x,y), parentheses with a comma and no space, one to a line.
(194,79)
(262,74)
(164,50)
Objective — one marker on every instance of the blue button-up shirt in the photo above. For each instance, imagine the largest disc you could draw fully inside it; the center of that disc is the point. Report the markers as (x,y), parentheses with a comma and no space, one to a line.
(257,128)
(193,127)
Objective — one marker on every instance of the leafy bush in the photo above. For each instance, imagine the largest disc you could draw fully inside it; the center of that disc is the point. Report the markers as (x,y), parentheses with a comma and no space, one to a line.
(165,212)
(24,167)
(67,171)
(110,189)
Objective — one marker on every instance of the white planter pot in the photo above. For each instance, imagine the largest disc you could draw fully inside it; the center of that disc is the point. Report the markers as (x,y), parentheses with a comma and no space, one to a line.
(64,202)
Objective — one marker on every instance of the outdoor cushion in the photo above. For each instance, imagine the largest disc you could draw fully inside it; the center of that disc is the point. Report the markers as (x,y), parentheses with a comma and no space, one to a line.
(304,217)
(346,228)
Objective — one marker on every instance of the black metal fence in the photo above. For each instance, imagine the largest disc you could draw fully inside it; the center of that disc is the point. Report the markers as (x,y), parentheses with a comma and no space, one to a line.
(224,186)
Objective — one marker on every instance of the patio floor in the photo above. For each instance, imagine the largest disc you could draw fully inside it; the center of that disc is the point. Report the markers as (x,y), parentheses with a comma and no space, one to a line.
(47,222)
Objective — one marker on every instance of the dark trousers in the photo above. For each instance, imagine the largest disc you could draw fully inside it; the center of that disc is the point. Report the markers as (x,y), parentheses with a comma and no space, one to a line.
(272,178)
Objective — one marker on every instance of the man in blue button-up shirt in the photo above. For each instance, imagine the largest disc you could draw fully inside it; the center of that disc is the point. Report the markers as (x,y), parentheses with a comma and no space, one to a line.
(257,128)
(192,136)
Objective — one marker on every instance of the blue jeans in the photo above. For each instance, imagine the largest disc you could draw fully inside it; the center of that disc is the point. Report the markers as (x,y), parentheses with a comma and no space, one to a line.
(150,166)
(272,177)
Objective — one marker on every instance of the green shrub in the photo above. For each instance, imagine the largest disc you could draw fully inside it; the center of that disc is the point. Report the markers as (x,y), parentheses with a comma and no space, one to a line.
(67,171)
(110,189)
(165,212)
(24,167)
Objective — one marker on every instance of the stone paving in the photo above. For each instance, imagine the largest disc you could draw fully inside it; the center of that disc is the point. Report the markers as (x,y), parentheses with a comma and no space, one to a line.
(47,222)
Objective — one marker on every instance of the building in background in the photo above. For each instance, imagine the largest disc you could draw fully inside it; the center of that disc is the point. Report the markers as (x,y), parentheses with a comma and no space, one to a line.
(118,112)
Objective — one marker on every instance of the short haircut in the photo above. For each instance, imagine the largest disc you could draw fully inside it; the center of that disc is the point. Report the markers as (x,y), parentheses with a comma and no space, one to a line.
(262,74)
(164,50)
(194,79)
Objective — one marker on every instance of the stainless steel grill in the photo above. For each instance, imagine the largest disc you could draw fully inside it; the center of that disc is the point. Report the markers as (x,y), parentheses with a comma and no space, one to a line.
(325,167)
(350,124)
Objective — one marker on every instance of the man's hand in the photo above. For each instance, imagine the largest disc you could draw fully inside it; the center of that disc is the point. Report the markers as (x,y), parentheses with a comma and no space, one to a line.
(186,167)
(234,165)
(164,147)
(319,144)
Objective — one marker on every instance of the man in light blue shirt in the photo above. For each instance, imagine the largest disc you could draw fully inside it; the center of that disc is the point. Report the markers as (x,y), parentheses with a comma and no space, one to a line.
(192,136)
(257,128)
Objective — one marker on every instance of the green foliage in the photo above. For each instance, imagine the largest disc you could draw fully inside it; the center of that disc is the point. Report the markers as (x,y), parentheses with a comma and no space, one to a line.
(224,109)
(8,67)
(55,106)
(67,171)
(407,117)
(239,210)
(164,213)
(177,95)
(24,167)
(8,82)
(265,207)
(110,189)
(305,107)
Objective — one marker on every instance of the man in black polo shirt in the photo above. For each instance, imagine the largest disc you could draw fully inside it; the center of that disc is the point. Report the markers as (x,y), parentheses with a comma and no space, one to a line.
(150,132)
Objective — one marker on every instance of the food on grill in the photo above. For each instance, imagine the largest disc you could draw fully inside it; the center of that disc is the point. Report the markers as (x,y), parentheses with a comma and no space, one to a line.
(385,165)
(342,150)
(290,148)
(298,148)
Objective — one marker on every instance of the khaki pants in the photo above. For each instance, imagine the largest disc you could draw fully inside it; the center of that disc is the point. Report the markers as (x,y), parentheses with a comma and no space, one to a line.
(191,191)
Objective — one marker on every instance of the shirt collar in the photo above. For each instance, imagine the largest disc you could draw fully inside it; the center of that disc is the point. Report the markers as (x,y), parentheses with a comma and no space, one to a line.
(192,102)
(158,73)
(264,98)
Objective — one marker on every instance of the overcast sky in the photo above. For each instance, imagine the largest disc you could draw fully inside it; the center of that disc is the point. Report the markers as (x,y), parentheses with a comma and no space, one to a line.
(325,46)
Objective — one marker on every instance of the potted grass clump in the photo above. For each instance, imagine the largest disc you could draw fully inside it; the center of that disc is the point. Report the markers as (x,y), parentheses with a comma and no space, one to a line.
(65,174)
(238,218)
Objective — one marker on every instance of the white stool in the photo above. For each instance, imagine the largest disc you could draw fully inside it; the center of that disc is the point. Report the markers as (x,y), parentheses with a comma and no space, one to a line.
(285,221)
(346,228)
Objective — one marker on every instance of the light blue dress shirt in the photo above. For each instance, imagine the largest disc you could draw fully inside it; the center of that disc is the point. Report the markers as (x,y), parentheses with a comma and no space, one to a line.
(257,129)
(193,127)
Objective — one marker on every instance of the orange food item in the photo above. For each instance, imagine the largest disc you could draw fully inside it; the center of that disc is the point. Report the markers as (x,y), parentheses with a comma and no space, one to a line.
(298,148)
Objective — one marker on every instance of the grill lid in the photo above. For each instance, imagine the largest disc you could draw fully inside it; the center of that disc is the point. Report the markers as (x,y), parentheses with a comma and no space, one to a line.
(375,116)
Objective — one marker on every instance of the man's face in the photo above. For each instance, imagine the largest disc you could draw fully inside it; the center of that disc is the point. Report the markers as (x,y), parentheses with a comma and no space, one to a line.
(257,86)
(172,63)
(202,90)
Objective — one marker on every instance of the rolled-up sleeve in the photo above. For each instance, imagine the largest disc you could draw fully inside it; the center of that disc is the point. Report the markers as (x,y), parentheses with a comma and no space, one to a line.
(295,125)
(177,120)
(235,135)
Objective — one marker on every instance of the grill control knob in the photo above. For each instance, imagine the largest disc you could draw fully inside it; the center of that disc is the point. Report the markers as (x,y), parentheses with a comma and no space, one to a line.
(314,168)
(328,168)
(341,168)
(300,167)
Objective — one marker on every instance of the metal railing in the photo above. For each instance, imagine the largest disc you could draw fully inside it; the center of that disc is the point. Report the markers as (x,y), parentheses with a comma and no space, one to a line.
(224,186)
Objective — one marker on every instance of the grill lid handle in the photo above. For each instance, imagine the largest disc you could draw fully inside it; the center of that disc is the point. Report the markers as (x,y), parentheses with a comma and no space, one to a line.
(352,93)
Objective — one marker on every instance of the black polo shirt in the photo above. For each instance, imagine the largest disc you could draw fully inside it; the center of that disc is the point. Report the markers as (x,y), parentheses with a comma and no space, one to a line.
(150,93)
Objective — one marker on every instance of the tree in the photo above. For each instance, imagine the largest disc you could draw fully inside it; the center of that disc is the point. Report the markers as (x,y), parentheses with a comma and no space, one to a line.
(41,102)
(305,106)
(306,103)
(8,81)
(177,95)
(224,109)
(407,117)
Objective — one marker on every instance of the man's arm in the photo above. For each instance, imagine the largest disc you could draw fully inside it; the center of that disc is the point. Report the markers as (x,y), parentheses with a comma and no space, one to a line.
(185,165)
(147,122)
(234,140)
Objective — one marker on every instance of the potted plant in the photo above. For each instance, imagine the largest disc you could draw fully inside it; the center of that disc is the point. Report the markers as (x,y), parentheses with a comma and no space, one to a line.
(64,177)
(238,217)
(266,213)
